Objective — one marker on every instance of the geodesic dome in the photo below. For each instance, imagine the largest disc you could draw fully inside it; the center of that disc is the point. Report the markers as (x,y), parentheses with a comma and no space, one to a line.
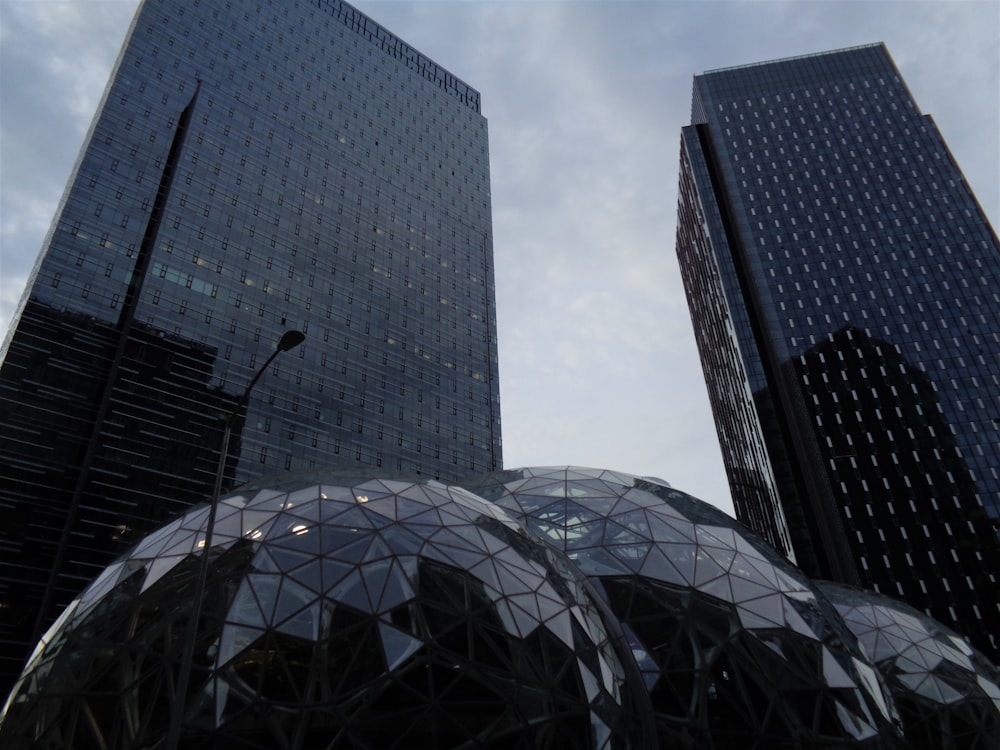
(338,613)
(555,607)
(737,648)
(947,693)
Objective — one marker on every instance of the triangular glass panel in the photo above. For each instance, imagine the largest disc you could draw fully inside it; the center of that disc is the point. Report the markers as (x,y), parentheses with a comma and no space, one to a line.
(304,623)
(633,555)
(857,727)
(753,621)
(635,521)
(333,501)
(515,577)
(869,681)
(397,589)
(384,506)
(267,500)
(834,674)
(706,569)
(503,611)
(590,686)
(245,609)
(668,530)
(526,621)
(723,556)
(195,520)
(307,512)
(102,584)
(304,495)
(378,550)
(154,543)
(265,587)
(288,559)
(184,542)
(659,567)
(397,645)
(770,607)
(159,568)
(720,588)
(374,574)
(228,525)
(450,556)
(351,591)
(357,517)
(296,535)
(615,534)
(599,506)
(745,568)
(796,622)
(930,655)
(553,533)
(715,536)
(683,557)
(426,522)
(237,500)
(990,688)
(597,561)
(234,640)
(561,625)
(310,575)
(790,584)
(761,571)
(744,590)
(486,572)
(354,552)
(536,498)
(549,602)
(402,540)
(373,488)
(256,525)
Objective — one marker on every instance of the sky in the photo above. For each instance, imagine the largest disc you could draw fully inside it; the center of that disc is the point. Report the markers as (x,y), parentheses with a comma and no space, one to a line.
(585,102)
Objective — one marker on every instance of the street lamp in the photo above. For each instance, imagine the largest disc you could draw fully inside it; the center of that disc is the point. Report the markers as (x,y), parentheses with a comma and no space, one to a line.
(289,340)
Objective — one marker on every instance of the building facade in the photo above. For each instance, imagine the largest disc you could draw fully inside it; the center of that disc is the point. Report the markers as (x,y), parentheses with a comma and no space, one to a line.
(842,280)
(254,168)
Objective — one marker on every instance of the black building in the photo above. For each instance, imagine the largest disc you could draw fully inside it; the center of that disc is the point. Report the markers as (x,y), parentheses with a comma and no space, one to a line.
(842,280)
(253,168)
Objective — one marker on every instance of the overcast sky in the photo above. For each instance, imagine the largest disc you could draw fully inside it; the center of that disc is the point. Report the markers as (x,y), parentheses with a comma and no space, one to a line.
(585,101)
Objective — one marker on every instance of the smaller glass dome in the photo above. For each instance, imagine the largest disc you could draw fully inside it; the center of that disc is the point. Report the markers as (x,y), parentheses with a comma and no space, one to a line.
(947,693)
(736,646)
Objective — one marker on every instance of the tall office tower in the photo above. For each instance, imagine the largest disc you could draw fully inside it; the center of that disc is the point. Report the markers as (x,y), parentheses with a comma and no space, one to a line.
(254,168)
(843,283)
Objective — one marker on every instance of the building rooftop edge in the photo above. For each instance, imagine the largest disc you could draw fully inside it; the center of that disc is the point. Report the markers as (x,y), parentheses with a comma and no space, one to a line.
(395,46)
(792,58)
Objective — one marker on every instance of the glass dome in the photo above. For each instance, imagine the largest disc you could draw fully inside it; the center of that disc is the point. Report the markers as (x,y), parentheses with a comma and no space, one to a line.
(947,693)
(737,648)
(553,607)
(337,614)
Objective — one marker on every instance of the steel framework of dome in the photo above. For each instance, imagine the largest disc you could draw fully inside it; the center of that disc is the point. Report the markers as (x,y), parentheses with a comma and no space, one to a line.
(539,608)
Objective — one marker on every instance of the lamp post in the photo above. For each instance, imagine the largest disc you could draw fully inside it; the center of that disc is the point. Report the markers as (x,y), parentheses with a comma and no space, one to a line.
(289,340)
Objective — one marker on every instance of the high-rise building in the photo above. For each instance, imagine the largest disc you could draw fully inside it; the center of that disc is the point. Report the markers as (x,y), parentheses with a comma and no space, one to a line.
(843,284)
(253,168)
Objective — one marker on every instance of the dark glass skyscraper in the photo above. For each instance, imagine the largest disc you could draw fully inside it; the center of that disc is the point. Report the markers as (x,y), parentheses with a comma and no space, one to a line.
(254,167)
(843,283)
